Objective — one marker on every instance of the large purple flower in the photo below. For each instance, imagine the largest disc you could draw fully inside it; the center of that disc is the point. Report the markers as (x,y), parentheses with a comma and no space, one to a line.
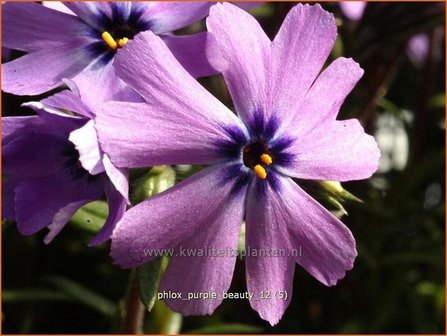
(54,165)
(286,129)
(82,46)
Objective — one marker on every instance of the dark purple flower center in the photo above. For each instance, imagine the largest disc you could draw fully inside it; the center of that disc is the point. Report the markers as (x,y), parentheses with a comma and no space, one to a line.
(251,154)
(257,156)
(263,151)
(116,30)
(124,31)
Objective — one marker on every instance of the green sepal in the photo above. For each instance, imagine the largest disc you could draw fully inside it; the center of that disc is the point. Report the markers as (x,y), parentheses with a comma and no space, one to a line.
(158,179)
(148,279)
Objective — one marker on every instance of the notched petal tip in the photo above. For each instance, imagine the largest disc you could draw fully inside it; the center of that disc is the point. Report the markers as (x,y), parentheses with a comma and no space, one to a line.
(351,64)
(327,18)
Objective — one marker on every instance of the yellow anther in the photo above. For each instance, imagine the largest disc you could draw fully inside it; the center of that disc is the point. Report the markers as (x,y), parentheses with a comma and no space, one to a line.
(108,39)
(122,41)
(260,171)
(267,159)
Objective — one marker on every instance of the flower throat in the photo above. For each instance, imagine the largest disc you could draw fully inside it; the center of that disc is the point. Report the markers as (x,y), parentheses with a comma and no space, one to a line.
(256,156)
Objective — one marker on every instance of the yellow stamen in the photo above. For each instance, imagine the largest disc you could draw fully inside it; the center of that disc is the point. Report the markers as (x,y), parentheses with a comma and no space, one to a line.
(267,159)
(108,39)
(260,171)
(122,41)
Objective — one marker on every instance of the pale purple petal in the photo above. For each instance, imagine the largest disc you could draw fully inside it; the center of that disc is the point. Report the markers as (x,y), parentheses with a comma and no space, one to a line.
(167,16)
(337,151)
(57,5)
(89,11)
(245,47)
(86,143)
(325,246)
(53,120)
(69,101)
(171,217)
(266,231)
(43,70)
(212,272)
(190,51)
(353,10)
(322,102)
(34,155)
(299,51)
(98,83)
(285,220)
(139,135)
(147,65)
(117,206)
(181,122)
(38,200)
(30,27)
(61,219)
(118,176)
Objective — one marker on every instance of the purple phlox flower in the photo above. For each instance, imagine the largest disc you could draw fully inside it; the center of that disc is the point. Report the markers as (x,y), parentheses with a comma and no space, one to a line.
(81,46)
(285,129)
(54,165)
(353,10)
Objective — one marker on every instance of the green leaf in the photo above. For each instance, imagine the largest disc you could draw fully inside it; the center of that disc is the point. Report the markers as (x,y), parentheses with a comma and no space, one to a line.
(337,51)
(335,189)
(83,295)
(335,203)
(36,294)
(231,328)
(264,10)
(390,107)
(158,179)
(437,101)
(91,217)
(148,278)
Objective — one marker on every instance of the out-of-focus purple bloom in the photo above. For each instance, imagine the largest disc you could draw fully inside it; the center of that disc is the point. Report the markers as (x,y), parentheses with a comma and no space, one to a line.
(54,165)
(81,47)
(353,10)
(418,47)
(285,129)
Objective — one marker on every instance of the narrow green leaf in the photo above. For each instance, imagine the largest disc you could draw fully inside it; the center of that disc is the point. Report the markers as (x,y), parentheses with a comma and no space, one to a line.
(337,205)
(83,295)
(148,278)
(35,294)
(335,189)
(390,107)
(231,328)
